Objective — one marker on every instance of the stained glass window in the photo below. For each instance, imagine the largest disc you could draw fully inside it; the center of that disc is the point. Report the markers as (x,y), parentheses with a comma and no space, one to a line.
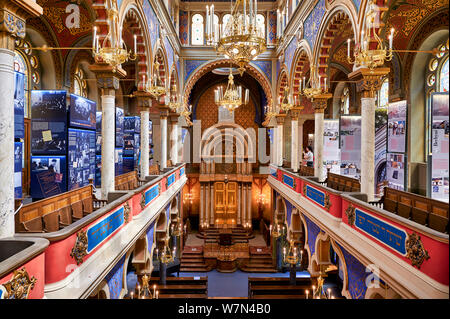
(383,94)
(443,77)
(261,25)
(198,29)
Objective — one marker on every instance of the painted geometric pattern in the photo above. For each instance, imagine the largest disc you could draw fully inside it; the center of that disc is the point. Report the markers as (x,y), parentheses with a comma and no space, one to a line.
(265,67)
(184,28)
(356,275)
(169,51)
(152,22)
(115,279)
(312,23)
(313,231)
(289,53)
(272,30)
(190,66)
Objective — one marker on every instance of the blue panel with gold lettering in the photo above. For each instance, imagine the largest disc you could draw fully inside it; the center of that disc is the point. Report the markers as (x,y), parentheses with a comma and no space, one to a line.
(151,194)
(170,180)
(382,231)
(102,230)
(288,180)
(181,171)
(273,172)
(315,195)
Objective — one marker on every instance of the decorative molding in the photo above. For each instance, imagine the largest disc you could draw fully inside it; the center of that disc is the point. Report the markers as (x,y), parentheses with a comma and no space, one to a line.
(350,212)
(142,200)
(19,286)
(12,24)
(327,202)
(79,250)
(126,212)
(415,250)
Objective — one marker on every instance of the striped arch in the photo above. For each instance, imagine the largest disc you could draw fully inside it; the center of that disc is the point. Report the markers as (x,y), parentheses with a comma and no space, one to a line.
(282,82)
(131,13)
(341,12)
(173,79)
(301,64)
(160,55)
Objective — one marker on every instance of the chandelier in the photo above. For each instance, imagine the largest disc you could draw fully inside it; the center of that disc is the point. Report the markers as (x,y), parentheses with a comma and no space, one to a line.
(241,39)
(144,291)
(286,101)
(185,112)
(277,231)
(315,87)
(291,256)
(232,98)
(154,86)
(166,256)
(113,49)
(319,292)
(366,54)
(172,100)
(175,228)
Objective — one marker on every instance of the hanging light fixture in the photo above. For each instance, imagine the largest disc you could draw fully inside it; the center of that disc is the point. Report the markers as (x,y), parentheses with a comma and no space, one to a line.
(286,101)
(154,86)
(241,39)
(232,98)
(175,228)
(291,256)
(166,256)
(365,55)
(316,87)
(172,100)
(113,49)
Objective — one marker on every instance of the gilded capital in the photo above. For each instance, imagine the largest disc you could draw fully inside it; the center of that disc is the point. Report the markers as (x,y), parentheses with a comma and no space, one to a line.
(368,82)
(11,24)
(280,118)
(107,76)
(144,100)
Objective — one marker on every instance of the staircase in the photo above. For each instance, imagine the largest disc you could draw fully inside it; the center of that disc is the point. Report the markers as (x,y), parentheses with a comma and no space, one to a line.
(239,235)
(192,260)
(260,261)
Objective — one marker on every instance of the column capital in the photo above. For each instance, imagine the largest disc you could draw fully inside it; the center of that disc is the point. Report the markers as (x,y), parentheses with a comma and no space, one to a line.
(280,118)
(107,75)
(368,81)
(295,113)
(173,118)
(163,111)
(144,100)
(320,102)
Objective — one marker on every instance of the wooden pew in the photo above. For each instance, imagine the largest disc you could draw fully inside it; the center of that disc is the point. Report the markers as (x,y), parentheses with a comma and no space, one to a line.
(154,170)
(53,213)
(181,287)
(306,171)
(343,183)
(128,181)
(277,288)
(420,209)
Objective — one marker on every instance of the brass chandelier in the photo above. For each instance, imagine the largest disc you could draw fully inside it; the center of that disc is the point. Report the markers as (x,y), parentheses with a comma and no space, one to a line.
(232,98)
(291,256)
(365,55)
(155,86)
(241,39)
(113,49)
(316,87)
(172,100)
(166,256)
(286,102)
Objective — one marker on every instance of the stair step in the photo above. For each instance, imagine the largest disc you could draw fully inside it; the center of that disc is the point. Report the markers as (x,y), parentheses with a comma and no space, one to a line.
(194,269)
(200,264)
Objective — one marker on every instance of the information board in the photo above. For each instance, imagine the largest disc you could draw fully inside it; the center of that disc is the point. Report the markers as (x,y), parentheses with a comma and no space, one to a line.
(350,145)
(81,157)
(331,151)
(119,127)
(395,170)
(19,105)
(397,127)
(18,149)
(48,176)
(82,112)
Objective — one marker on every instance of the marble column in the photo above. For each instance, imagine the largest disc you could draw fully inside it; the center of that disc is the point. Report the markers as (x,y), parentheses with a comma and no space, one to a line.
(211,213)
(239,205)
(108,142)
(300,139)
(163,123)
(295,112)
(244,204)
(108,82)
(144,103)
(174,140)
(368,83)
(207,205)
(320,104)
(249,204)
(145,147)
(279,139)
(12,26)
(202,218)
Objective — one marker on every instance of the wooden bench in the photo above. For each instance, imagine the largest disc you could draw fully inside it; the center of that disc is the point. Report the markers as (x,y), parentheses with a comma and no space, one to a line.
(273,287)
(181,287)
(154,170)
(56,212)
(128,181)
(343,183)
(420,209)
(306,171)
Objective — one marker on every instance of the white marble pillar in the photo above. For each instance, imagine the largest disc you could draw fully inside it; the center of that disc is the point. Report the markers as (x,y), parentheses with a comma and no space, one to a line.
(300,140)
(249,204)
(239,205)
(275,146)
(244,204)
(211,212)
(163,159)
(108,141)
(207,203)
(202,203)
(145,148)
(368,147)
(174,140)
(318,145)
(7,143)
(294,145)
(280,145)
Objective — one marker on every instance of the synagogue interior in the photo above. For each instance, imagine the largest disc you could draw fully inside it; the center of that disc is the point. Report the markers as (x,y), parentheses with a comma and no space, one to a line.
(245,149)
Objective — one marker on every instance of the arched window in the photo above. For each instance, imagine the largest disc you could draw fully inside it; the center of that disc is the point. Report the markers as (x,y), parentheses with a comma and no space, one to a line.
(198,29)
(79,83)
(261,25)
(383,94)
(345,101)
(436,80)
(27,63)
